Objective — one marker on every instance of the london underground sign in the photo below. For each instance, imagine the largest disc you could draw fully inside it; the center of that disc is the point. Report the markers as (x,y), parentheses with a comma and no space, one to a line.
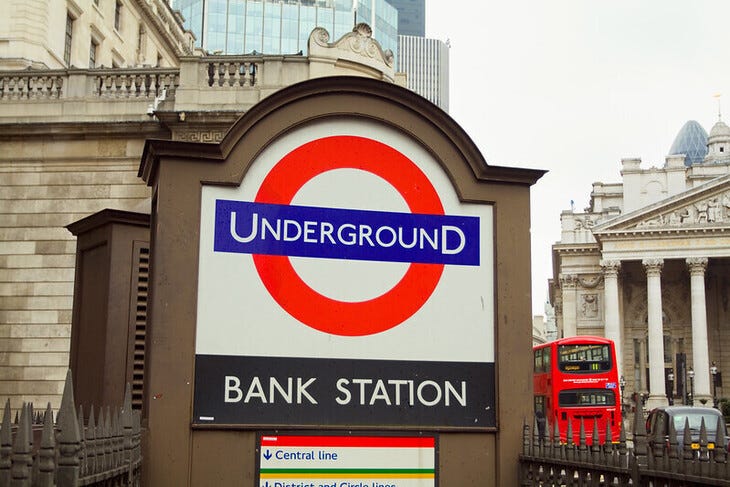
(274,230)
(343,283)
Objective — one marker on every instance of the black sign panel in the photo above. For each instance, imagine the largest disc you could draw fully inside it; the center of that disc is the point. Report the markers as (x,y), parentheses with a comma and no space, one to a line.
(250,391)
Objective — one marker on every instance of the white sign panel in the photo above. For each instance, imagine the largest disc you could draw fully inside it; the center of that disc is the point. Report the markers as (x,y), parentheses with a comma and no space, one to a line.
(347,461)
(346,242)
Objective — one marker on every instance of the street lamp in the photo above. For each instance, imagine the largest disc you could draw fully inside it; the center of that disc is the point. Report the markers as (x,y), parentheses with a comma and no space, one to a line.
(691,398)
(713,371)
(622,384)
(670,392)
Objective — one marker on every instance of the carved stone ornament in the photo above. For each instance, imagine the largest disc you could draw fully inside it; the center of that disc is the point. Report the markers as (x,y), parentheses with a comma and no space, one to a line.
(697,265)
(586,222)
(711,210)
(558,306)
(590,282)
(568,281)
(320,36)
(653,263)
(359,41)
(610,268)
(589,306)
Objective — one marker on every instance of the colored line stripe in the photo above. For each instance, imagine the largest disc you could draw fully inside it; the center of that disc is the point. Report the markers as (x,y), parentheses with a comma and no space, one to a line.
(349,441)
(363,471)
(341,476)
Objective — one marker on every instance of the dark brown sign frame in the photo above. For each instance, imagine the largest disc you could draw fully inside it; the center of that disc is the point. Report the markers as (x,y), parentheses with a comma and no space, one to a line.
(176,454)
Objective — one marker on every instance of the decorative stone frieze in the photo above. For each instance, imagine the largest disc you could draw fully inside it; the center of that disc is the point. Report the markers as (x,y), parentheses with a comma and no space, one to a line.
(200,136)
(711,210)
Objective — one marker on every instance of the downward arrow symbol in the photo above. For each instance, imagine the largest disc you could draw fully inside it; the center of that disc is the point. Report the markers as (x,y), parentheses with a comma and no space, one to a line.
(267,455)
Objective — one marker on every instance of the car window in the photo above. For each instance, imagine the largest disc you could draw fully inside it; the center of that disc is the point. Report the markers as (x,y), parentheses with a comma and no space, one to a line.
(695,421)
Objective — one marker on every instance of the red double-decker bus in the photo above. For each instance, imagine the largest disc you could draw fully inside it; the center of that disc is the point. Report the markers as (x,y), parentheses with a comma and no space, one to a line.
(576,380)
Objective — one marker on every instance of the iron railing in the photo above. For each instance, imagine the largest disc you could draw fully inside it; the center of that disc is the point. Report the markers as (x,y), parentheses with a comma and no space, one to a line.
(36,452)
(548,461)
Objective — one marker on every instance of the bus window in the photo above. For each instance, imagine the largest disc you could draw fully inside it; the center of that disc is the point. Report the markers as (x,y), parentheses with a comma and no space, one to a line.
(586,397)
(588,358)
(540,404)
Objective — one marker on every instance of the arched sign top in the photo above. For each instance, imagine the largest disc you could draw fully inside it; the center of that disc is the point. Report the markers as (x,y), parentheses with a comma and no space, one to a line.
(332,97)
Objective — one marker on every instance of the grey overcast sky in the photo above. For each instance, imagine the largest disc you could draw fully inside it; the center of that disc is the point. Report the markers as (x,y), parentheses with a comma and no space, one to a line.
(573,86)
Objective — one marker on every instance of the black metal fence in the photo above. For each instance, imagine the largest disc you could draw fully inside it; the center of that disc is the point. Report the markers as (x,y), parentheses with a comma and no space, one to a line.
(547,461)
(35,452)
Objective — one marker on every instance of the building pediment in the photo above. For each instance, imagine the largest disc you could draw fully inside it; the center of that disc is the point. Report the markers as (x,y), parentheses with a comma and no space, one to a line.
(706,207)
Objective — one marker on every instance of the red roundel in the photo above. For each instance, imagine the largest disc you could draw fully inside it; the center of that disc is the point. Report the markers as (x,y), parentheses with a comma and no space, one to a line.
(311,307)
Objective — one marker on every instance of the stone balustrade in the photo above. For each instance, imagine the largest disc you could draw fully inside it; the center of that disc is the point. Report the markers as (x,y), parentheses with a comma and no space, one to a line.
(86,83)
(32,85)
(114,94)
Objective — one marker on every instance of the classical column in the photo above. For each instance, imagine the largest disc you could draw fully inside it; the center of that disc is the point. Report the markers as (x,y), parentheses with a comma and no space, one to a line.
(700,348)
(568,284)
(641,386)
(558,307)
(613,324)
(657,391)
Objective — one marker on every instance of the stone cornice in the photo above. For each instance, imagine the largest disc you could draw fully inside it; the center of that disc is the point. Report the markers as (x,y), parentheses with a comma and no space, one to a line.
(576,249)
(61,130)
(661,232)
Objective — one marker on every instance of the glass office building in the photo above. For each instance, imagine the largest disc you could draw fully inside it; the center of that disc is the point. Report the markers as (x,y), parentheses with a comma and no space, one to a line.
(692,141)
(426,62)
(282,26)
(411,17)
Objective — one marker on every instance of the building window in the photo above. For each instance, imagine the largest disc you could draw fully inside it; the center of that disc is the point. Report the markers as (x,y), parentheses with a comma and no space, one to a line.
(118,15)
(92,54)
(67,43)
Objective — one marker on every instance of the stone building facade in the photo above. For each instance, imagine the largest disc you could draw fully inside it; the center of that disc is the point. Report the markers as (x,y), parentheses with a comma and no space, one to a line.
(55,34)
(647,264)
(71,141)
